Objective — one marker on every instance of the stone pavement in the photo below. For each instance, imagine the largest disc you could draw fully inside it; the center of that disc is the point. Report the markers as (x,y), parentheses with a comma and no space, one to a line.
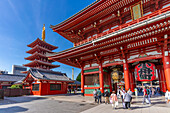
(76,104)
(44,104)
(158,106)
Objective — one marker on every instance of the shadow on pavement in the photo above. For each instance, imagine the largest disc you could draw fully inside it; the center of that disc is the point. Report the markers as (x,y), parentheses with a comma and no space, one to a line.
(72,94)
(133,108)
(139,107)
(13,109)
(21,99)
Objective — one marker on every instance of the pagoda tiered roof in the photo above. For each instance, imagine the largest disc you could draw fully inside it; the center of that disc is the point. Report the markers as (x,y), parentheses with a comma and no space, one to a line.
(42,44)
(36,55)
(38,62)
(38,48)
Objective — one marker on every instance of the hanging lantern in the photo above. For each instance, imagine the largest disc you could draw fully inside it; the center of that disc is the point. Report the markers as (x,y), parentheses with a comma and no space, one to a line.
(116,75)
(145,72)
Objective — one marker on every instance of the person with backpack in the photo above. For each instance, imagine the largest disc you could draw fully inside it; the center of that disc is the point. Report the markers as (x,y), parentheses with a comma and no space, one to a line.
(99,95)
(146,95)
(106,95)
(149,95)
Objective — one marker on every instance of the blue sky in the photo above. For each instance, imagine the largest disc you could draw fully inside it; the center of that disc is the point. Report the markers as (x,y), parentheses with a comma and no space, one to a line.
(21,22)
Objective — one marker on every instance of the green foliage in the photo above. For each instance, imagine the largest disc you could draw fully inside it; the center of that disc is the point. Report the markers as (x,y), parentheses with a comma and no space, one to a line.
(16,86)
(79,77)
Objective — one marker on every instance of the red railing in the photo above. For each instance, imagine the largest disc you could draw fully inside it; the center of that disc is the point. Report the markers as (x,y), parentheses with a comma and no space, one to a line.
(158,12)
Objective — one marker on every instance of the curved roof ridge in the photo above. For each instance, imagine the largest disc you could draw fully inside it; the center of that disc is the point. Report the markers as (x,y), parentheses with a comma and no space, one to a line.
(30,70)
(40,73)
(43,42)
(72,17)
(37,46)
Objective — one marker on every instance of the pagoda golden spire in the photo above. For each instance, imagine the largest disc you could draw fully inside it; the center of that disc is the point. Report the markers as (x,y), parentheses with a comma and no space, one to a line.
(43,33)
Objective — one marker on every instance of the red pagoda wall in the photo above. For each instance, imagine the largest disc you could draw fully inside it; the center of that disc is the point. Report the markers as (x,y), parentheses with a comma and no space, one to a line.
(44,89)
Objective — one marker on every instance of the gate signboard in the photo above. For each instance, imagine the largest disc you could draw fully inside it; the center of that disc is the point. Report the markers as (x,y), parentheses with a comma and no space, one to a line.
(145,72)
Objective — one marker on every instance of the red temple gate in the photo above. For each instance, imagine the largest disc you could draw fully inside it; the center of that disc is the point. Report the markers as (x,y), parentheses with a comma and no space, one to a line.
(117,33)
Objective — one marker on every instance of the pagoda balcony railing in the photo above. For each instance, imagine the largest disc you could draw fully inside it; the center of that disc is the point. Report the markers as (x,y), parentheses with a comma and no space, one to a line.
(158,12)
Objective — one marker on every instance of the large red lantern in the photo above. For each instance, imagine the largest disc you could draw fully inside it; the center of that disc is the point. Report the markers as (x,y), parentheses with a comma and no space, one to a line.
(145,72)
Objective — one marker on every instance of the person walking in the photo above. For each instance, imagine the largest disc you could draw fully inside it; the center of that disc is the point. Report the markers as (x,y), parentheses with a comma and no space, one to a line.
(70,90)
(130,93)
(127,99)
(149,94)
(99,94)
(95,95)
(122,93)
(106,95)
(167,97)
(136,92)
(146,95)
(153,91)
(114,100)
(118,93)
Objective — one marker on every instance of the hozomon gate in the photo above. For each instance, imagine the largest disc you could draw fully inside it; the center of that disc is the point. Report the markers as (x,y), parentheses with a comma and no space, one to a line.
(114,33)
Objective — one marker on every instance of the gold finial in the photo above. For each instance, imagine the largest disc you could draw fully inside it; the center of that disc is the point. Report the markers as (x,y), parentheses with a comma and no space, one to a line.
(43,33)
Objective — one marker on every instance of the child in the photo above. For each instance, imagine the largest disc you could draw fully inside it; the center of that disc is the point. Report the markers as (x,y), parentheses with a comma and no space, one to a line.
(113,100)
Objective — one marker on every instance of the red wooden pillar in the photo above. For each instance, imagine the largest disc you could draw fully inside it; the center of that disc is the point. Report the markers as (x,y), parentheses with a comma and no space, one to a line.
(110,82)
(162,77)
(115,87)
(166,63)
(132,82)
(31,88)
(48,87)
(159,76)
(101,77)
(126,75)
(1,85)
(82,81)
(40,90)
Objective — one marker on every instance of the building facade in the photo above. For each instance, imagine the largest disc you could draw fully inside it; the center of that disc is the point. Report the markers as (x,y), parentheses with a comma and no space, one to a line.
(114,34)
(17,70)
(7,80)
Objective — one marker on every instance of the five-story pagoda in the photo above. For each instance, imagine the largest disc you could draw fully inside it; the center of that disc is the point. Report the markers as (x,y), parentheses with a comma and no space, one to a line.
(38,51)
(40,79)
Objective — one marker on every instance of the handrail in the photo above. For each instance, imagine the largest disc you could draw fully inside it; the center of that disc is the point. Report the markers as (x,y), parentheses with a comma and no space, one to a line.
(158,12)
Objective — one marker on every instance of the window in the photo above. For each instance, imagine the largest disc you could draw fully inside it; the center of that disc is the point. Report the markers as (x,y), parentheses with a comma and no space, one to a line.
(35,87)
(55,86)
(92,79)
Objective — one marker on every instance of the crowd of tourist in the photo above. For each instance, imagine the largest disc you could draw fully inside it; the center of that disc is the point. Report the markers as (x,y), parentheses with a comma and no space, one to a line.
(112,98)
(126,97)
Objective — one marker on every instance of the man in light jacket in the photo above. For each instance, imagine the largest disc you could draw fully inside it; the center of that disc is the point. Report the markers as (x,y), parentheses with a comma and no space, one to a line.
(127,99)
